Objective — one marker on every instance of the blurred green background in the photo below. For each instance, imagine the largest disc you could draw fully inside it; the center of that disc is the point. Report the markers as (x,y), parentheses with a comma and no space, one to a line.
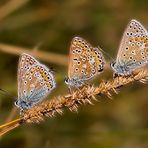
(118,123)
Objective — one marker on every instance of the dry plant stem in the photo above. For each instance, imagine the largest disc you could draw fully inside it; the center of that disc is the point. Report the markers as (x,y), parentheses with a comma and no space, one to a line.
(10,123)
(6,130)
(45,56)
(42,55)
(84,95)
(28,18)
(72,101)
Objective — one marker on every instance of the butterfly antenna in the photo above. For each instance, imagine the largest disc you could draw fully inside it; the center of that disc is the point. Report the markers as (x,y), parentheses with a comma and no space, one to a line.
(106,53)
(53,70)
(3,92)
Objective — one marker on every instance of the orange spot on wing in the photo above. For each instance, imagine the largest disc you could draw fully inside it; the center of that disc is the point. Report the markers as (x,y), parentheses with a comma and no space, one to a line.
(131,39)
(136,39)
(142,38)
(146,44)
(146,49)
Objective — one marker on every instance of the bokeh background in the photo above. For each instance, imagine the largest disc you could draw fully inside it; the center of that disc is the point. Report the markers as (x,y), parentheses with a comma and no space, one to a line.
(48,26)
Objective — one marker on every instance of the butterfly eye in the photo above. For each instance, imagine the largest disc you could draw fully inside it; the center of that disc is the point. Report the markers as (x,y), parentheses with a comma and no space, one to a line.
(66,80)
(112,64)
(17,103)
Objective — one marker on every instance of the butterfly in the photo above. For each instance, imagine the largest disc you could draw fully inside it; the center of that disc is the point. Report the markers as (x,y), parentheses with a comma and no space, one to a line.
(85,62)
(133,49)
(35,82)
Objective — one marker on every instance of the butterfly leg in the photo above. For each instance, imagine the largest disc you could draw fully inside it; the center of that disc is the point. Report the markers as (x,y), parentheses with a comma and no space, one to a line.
(78,89)
(69,89)
(21,112)
(115,75)
(87,84)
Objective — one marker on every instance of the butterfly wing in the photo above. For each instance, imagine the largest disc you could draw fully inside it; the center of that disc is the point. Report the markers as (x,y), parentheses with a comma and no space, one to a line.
(36,84)
(25,63)
(84,60)
(133,50)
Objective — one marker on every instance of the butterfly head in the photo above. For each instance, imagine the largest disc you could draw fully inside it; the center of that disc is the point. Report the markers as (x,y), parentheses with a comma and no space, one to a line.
(66,80)
(23,105)
(75,82)
(120,69)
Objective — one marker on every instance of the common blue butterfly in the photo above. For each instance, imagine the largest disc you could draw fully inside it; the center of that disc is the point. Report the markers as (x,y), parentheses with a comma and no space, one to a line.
(35,82)
(85,62)
(133,49)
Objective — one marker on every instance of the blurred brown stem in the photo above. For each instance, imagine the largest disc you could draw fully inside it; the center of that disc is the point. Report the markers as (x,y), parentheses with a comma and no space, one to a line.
(27,18)
(42,55)
(10,7)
